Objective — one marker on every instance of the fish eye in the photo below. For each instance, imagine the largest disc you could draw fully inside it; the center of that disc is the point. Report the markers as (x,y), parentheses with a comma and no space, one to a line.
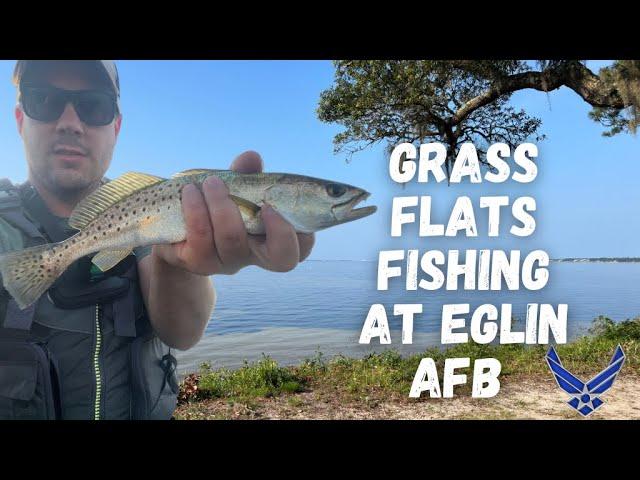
(336,190)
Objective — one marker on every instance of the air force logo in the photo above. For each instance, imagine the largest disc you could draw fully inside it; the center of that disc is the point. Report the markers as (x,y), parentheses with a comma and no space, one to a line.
(585,396)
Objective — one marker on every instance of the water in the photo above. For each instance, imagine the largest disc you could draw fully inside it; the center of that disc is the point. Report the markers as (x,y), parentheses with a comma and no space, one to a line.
(321,306)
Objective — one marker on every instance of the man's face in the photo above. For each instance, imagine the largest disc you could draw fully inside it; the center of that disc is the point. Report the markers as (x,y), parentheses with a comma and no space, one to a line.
(67,156)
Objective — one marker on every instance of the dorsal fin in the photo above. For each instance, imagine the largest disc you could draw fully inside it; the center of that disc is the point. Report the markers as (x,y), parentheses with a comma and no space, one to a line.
(108,195)
(196,171)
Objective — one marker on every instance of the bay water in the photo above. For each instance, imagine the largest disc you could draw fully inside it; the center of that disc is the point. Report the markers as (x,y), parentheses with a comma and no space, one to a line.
(319,308)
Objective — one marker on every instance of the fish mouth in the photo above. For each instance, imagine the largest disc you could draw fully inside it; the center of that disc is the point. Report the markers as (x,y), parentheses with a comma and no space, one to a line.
(344,212)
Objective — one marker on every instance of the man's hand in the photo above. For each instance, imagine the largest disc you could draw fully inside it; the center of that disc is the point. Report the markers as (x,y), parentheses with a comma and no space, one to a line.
(174,279)
(217,241)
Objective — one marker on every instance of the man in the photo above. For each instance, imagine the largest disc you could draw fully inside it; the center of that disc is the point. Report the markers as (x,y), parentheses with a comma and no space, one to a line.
(98,345)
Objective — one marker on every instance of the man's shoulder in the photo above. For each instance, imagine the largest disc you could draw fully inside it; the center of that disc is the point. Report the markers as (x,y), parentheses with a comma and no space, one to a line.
(5,184)
(7,188)
(9,194)
(10,237)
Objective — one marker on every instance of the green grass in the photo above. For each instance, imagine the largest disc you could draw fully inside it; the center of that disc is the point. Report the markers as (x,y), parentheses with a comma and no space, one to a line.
(389,374)
(260,379)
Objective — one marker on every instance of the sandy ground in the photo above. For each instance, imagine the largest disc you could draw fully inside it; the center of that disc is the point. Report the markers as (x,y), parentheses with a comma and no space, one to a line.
(519,398)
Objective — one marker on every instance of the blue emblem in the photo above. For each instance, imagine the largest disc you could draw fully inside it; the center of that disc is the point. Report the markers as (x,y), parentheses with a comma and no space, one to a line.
(585,395)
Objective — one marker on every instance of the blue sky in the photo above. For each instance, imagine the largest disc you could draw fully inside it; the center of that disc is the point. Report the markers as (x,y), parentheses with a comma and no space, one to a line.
(189,114)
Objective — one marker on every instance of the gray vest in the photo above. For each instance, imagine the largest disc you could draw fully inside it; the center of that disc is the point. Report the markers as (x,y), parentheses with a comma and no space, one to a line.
(85,349)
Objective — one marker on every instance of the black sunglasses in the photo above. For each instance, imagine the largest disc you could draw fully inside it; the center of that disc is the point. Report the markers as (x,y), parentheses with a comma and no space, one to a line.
(94,107)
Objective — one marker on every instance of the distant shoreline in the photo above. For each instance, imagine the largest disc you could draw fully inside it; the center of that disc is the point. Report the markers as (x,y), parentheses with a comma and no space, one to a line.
(558,260)
(598,260)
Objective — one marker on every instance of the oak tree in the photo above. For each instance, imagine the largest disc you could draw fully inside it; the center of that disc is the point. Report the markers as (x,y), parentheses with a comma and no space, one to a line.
(457,101)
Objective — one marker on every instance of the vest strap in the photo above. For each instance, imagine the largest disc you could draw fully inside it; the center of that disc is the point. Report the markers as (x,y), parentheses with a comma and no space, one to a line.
(9,199)
(18,220)
(19,319)
(124,322)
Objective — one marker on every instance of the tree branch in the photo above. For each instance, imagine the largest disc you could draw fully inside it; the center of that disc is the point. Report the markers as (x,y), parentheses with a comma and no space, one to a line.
(573,75)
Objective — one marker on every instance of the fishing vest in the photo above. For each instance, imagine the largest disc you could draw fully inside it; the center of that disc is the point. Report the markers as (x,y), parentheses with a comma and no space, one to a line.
(86,348)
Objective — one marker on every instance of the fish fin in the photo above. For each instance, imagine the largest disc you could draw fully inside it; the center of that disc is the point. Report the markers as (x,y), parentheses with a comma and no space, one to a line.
(245,206)
(107,259)
(28,273)
(195,171)
(108,195)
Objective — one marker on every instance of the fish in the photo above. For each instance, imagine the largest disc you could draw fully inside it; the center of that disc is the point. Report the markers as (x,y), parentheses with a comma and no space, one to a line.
(139,209)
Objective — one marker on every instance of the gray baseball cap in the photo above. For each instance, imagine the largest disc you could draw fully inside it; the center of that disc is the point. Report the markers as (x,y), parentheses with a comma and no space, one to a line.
(107,67)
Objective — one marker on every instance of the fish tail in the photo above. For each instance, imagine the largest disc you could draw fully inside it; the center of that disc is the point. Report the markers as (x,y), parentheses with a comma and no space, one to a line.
(28,273)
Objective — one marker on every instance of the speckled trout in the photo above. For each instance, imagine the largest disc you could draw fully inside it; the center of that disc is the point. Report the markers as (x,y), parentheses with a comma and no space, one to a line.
(137,209)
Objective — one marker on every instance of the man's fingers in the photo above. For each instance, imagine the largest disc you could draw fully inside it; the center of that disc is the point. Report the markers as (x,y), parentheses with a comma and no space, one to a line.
(217,240)
(196,219)
(305,241)
(248,162)
(279,250)
(229,233)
